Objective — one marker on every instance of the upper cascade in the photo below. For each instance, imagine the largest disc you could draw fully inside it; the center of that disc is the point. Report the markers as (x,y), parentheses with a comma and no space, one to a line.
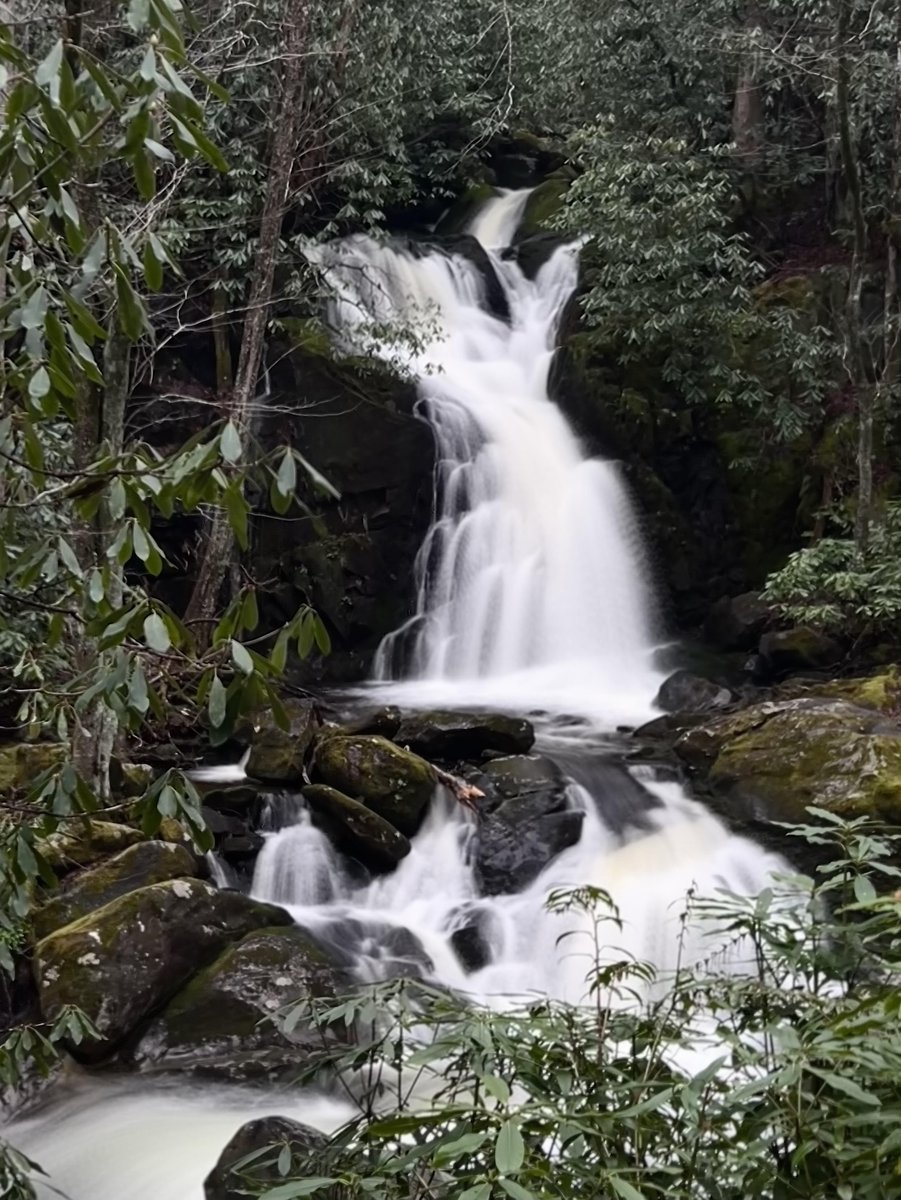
(530,587)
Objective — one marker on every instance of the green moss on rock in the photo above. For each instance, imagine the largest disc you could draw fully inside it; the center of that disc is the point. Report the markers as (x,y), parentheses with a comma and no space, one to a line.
(83,843)
(394,783)
(123,961)
(136,867)
(356,829)
(279,755)
(22,762)
(775,759)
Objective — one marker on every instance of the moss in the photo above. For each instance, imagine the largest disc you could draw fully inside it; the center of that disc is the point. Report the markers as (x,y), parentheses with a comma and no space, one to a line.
(879,692)
(778,758)
(356,829)
(543,205)
(82,844)
(22,762)
(392,782)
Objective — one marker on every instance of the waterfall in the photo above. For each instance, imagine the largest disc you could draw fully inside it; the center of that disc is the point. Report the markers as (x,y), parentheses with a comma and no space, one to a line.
(529,584)
(530,597)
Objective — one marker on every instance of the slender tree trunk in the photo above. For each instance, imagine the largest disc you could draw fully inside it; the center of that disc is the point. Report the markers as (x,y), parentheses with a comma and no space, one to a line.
(747,111)
(891,329)
(855,363)
(219,547)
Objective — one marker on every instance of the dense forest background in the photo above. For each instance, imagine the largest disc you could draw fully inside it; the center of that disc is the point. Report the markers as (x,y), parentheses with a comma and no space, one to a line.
(205,506)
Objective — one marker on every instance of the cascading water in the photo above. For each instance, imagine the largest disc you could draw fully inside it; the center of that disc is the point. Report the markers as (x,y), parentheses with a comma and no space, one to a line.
(530,597)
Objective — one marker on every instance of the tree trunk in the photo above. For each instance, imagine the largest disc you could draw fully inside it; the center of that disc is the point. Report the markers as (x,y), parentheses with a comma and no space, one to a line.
(747,111)
(219,547)
(855,363)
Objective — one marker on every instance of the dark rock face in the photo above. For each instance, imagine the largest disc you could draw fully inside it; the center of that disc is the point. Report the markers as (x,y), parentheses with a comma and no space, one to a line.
(355,829)
(357,426)
(279,755)
(137,867)
(303,1144)
(394,783)
(453,735)
(125,960)
(686,692)
(527,823)
(786,650)
(224,1022)
(736,622)
(386,951)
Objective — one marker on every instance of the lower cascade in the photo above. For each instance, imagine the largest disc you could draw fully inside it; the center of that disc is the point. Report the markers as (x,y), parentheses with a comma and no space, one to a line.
(530,597)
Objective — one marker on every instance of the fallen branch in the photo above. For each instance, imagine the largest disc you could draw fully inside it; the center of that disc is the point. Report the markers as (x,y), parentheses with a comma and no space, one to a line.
(465,793)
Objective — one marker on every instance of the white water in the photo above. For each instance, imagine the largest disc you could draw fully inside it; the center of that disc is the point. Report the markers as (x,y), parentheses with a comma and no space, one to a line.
(530,595)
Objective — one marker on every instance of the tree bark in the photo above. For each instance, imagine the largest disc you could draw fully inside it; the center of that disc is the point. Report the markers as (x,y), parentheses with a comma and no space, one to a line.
(219,547)
(855,363)
(747,110)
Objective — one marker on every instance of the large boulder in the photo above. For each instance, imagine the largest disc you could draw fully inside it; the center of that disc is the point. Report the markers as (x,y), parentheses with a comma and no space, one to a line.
(279,755)
(22,762)
(394,783)
(122,962)
(355,829)
(224,1022)
(137,867)
(82,844)
(527,822)
(736,622)
(685,692)
(304,1147)
(461,735)
(774,759)
(801,649)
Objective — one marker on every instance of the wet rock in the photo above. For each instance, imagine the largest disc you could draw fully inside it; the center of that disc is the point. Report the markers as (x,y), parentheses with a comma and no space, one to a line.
(686,692)
(235,800)
(137,867)
(224,1023)
(394,783)
(773,759)
(81,846)
(521,774)
(279,755)
(453,735)
(786,650)
(355,829)
(736,622)
(518,839)
(388,951)
(304,1145)
(123,961)
(384,721)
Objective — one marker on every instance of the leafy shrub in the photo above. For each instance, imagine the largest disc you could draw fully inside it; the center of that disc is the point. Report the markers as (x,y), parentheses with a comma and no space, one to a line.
(833,587)
(779,1082)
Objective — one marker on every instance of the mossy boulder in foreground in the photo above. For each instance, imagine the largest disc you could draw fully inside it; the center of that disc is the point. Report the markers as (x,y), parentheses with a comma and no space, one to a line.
(223,1022)
(122,962)
(137,867)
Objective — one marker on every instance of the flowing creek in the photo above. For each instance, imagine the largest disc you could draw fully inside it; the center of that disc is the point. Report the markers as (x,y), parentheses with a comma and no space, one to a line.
(532,597)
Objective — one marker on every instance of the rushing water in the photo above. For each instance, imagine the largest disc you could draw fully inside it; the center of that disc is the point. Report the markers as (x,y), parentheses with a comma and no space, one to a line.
(530,597)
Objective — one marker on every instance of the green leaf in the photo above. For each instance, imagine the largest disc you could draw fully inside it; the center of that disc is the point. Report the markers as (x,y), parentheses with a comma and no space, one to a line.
(250,613)
(286,480)
(864,892)
(217,702)
(515,1191)
(39,384)
(448,1152)
(623,1188)
(241,658)
(300,1187)
(509,1150)
(48,70)
(138,14)
(145,177)
(159,151)
(130,312)
(847,1087)
(230,443)
(156,635)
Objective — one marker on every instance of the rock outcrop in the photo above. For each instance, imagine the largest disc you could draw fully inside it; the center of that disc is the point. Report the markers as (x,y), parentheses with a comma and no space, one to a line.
(396,784)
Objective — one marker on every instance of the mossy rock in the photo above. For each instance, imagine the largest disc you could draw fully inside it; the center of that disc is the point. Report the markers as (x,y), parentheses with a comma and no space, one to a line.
(137,867)
(355,829)
(543,205)
(880,692)
(22,762)
(279,755)
(774,759)
(83,843)
(121,962)
(801,649)
(224,1022)
(395,783)
(462,735)
(305,1148)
